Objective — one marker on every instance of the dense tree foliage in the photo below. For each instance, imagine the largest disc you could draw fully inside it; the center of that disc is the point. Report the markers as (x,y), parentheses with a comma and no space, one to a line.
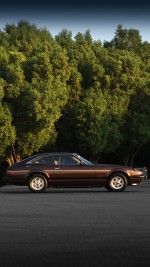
(73,94)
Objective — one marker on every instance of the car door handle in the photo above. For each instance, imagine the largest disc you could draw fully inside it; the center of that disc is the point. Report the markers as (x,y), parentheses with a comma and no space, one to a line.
(57,168)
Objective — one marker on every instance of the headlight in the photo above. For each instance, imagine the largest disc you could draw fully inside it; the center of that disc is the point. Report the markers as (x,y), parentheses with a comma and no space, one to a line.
(136,172)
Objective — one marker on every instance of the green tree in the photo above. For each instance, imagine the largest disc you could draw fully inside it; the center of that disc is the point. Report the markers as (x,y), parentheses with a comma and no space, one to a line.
(7,131)
(35,75)
(41,102)
(64,93)
(99,120)
(26,38)
(136,130)
(126,40)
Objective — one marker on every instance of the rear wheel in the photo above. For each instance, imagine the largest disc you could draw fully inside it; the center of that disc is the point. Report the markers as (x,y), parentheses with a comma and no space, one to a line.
(37,183)
(117,183)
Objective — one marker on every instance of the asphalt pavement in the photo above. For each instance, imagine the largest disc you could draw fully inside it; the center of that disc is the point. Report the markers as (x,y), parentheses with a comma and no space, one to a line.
(75,227)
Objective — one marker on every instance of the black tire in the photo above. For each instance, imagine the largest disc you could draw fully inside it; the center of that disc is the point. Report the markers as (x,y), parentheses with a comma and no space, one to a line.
(37,183)
(117,182)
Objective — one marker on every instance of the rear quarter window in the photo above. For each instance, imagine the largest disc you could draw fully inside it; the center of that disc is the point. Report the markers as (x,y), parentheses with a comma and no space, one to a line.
(40,160)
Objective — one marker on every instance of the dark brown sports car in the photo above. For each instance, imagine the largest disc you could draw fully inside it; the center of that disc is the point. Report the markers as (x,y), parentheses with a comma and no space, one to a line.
(70,170)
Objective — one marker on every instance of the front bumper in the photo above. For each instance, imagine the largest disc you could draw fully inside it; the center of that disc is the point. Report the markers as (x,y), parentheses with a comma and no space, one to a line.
(144,171)
(135,180)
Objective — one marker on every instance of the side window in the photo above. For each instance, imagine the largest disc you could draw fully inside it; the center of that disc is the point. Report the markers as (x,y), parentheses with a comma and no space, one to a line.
(54,160)
(69,160)
(44,160)
(63,160)
(41,160)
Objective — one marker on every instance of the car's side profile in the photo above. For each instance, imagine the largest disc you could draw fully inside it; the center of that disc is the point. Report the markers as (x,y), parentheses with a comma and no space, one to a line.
(70,170)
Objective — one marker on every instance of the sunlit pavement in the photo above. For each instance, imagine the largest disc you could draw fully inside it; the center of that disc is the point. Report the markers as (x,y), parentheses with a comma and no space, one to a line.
(75,227)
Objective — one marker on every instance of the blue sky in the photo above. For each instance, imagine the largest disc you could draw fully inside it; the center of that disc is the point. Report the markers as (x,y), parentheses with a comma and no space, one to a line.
(101,17)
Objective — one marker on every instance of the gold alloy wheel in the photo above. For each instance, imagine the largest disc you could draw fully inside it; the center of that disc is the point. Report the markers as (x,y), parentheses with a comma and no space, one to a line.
(37,183)
(117,182)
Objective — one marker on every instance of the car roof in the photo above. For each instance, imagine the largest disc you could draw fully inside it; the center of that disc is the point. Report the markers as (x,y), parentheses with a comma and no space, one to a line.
(55,153)
(50,153)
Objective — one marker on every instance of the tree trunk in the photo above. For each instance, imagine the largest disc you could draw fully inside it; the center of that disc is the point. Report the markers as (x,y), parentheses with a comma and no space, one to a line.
(11,159)
(129,157)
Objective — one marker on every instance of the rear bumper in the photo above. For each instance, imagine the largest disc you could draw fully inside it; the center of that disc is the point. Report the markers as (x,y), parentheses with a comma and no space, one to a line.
(2,182)
(13,181)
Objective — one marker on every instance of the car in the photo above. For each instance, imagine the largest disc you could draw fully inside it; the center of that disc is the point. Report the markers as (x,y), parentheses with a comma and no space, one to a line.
(42,171)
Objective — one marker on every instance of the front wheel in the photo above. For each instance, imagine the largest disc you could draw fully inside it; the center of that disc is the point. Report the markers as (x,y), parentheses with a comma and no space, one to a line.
(117,182)
(37,183)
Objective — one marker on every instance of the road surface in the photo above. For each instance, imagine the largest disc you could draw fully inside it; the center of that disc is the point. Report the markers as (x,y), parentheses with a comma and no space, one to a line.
(75,227)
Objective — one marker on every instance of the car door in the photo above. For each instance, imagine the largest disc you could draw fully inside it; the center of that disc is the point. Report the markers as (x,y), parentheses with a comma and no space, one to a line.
(69,172)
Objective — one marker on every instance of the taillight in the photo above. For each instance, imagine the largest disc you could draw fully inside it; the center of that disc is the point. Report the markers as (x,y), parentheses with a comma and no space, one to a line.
(10,172)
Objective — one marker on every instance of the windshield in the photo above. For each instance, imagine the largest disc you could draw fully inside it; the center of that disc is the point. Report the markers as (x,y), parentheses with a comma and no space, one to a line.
(83,160)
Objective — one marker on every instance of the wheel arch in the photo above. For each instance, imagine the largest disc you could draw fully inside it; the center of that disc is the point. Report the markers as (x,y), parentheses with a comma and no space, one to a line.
(37,172)
(121,172)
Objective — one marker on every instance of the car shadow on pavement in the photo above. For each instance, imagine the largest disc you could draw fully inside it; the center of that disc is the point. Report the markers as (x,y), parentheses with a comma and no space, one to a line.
(24,190)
